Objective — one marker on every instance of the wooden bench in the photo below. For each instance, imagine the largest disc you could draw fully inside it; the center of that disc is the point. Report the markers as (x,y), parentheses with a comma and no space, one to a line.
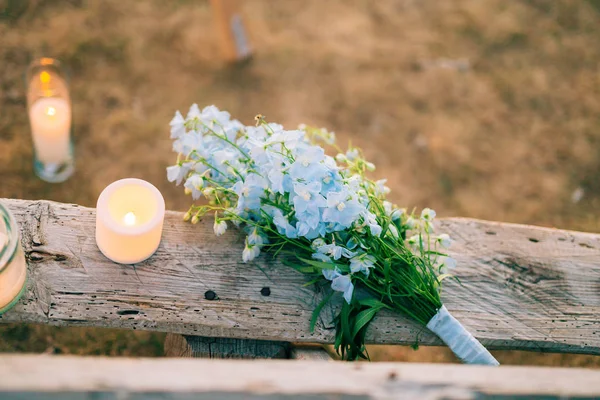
(523,288)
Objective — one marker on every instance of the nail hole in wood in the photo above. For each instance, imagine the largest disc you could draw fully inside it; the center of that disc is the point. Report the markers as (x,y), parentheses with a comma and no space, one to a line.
(534,240)
(127,312)
(266,291)
(490,232)
(210,295)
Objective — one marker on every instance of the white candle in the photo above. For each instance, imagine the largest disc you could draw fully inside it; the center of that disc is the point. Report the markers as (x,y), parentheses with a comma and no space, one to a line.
(129,220)
(50,119)
(13,270)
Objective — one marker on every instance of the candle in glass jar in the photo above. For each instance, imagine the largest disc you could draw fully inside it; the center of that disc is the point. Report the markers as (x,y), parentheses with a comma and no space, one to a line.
(50,119)
(13,269)
(49,105)
(129,220)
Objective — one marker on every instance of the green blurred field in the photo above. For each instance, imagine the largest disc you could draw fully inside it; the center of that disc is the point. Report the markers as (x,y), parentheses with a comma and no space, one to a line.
(486,109)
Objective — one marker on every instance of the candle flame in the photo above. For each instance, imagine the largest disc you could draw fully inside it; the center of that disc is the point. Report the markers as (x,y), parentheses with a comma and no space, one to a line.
(51,111)
(45,77)
(129,219)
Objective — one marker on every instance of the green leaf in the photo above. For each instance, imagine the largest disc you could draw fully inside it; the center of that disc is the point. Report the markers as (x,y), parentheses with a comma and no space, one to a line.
(371,302)
(363,318)
(345,322)
(312,282)
(317,311)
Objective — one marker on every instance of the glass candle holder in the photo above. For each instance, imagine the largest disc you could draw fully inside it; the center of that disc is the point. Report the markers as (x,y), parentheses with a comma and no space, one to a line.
(13,268)
(49,106)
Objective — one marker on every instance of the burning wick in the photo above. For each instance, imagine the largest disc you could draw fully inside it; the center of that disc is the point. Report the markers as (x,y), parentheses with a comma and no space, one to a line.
(51,111)
(129,219)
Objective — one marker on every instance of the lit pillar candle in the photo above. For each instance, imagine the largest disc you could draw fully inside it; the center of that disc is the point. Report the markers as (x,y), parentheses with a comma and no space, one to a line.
(50,119)
(13,269)
(129,220)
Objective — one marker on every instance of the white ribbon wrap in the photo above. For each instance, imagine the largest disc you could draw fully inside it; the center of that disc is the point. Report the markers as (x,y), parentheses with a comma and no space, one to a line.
(459,340)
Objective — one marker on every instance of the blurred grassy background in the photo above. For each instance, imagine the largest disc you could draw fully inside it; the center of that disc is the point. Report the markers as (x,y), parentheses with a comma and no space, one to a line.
(477,109)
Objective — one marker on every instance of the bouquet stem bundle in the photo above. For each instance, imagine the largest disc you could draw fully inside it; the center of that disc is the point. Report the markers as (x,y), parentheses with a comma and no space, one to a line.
(290,197)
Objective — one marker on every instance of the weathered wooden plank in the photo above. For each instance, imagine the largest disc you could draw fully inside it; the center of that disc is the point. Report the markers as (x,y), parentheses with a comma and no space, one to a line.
(310,353)
(207,347)
(99,377)
(523,287)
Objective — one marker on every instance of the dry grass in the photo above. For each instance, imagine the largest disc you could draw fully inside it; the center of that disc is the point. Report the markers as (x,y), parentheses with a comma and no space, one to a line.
(481,109)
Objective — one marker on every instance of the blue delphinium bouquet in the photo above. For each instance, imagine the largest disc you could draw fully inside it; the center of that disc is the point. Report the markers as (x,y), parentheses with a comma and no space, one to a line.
(286,193)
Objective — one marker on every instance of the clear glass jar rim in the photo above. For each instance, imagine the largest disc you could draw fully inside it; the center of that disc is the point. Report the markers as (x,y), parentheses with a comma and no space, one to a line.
(49,63)
(8,251)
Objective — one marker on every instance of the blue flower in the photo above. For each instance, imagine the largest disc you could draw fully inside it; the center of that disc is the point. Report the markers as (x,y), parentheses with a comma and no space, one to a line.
(307,166)
(308,197)
(340,283)
(321,257)
(189,142)
(281,222)
(342,208)
(249,192)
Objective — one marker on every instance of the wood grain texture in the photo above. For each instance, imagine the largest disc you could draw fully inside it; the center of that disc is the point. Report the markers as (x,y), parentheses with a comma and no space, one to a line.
(310,353)
(126,378)
(207,347)
(522,287)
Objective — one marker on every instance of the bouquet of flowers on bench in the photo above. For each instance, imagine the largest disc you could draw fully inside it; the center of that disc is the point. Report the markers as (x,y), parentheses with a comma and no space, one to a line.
(289,196)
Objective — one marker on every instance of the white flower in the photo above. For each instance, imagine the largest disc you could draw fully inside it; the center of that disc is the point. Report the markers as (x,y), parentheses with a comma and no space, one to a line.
(255,238)
(352,154)
(194,112)
(362,263)
(220,226)
(392,230)
(414,241)
(397,214)
(446,263)
(250,252)
(410,223)
(335,251)
(341,158)
(177,126)
(176,173)
(194,185)
(387,206)
(428,214)
(444,240)
(318,242)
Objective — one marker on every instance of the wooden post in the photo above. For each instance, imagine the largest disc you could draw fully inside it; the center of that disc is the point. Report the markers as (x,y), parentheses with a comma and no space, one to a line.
(232,32)
(207,347)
